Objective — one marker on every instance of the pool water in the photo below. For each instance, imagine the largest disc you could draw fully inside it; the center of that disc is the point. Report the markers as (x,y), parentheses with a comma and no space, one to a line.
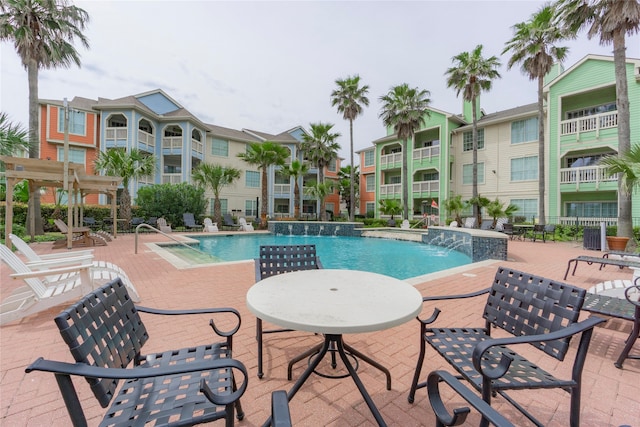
(395,258)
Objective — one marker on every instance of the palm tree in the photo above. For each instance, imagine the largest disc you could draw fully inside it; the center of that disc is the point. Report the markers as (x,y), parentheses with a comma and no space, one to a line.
(533,47)
(13,137)
(320,148)
(129,165)
(347,176)
(350,97)
(390,207)
(496,209)
(611,20)
(42,32)
(454,205)
(405,109)
(472,74)
(627,165)
(263,155)
(215,177)
(295,171)
(320,190)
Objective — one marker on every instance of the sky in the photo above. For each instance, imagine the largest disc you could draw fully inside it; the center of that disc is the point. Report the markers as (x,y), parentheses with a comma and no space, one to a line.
(271,65)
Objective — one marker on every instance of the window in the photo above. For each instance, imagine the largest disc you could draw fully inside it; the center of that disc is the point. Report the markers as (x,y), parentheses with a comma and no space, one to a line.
(586,160)
(251,207)
(371,207)
(76,121)
(527,208)
(395,179)
(524,130)
(467,174)
(220,147)
(524,168)
(252,179)
(598,109)
(332,165)
(430,176)
(467,140)
(371,183)
(76,155)
(369,158)
(592,209)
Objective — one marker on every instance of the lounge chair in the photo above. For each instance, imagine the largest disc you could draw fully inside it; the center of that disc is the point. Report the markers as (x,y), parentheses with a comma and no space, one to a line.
(228,222)
(500,222)
(210,226)
(470,222)
(101,271)
(163,226)
(244,226)
(190,222)
(486,224)
(81,238)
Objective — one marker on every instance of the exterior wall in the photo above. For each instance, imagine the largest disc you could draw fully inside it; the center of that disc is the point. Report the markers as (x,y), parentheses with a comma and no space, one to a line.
(365,171)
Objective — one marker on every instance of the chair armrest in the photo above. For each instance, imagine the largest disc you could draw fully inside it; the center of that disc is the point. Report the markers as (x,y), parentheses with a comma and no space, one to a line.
(51,271)
(221,333)
(499,371)
(436,311)
(73,254)
(280,415)
(256,264)
(459,414)
(83,259)
(90,371)
(319,263)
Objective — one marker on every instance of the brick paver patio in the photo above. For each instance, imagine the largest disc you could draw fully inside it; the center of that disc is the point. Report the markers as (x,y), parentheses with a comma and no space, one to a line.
(610,396)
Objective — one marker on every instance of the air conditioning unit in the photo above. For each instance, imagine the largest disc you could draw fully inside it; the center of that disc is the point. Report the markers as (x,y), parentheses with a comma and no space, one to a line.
(638,74)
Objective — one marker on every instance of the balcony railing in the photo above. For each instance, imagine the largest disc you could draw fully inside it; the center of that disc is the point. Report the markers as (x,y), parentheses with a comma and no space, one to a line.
(146,139)
(281,188)
(426,153)
(147,179)
(426,186)
(172,142)
(390,190)
(116,134)
(390,160)
(584,175)
(589,123)
(171,178)
(197,146)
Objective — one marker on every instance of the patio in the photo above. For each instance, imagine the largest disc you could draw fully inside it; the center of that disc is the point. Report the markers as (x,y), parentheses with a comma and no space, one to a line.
(609,395)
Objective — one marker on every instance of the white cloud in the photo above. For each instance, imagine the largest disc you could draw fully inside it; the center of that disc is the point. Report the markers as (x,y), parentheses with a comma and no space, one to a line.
(270,65)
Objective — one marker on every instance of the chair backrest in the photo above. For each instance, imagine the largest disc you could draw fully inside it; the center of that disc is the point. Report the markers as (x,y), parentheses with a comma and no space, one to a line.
(453,224)
(507,227)
(153,221)
(486,224)
(207,222)
(550,228)
(242,221)
(500,222)
(228,219)
(469,222)
(188,219)
(89,220)
(278,259)
(61,225)
(16,264)
(405,224)
(538,228)
(24,248)
(137,220)
(161,222)
(524,304)
(103,329)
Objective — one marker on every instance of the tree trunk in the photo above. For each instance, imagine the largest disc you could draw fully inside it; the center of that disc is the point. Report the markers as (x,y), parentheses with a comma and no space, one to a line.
(474,139)
(405,179)
(352,190)
(34,215)
(217,210)
(625,225)
(323,214)
(264,203)
(125,205)
(296,199)
(541,178)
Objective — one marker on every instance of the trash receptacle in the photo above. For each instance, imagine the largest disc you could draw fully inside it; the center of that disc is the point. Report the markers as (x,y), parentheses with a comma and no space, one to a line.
(591,238)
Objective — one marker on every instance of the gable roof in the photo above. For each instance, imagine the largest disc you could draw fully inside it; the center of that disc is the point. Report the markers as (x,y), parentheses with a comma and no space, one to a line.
(503,115)
(229,133)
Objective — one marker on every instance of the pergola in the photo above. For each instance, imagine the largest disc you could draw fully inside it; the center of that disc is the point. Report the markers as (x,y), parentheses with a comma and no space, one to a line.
(49,173)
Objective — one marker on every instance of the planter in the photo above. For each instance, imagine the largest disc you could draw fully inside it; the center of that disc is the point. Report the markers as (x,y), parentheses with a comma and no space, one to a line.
(616,243)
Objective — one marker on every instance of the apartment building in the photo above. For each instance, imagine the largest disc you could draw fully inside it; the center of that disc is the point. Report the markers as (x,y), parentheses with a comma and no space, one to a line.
(158,125)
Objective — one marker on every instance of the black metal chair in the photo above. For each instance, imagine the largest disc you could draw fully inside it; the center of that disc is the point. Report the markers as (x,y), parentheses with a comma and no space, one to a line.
(511,231)
(538,231)
(531,309)
(280,414)
(190,222)
(136,221)
(91,222)
(279,259)
(105,335)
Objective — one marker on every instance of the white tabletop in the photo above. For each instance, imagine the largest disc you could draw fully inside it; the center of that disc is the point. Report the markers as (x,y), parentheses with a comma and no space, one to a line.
(334,301)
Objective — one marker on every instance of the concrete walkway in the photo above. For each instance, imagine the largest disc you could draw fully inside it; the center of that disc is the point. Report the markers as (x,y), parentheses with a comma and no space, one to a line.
(610,396)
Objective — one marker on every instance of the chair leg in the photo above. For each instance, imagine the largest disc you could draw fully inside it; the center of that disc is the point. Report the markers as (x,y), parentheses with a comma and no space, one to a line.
(259,339)
(633,336)
(416,374)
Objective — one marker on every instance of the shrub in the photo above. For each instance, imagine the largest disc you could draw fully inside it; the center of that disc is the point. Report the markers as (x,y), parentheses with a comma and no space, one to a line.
(171,201)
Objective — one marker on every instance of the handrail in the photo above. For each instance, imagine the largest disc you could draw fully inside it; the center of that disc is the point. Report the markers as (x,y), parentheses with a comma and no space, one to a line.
(166,235)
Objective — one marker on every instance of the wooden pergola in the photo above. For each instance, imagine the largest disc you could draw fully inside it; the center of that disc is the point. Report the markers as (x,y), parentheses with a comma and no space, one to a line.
(49,173)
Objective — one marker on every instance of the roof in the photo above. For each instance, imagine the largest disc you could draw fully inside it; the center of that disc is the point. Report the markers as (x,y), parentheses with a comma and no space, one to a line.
(231,133)
(503,115)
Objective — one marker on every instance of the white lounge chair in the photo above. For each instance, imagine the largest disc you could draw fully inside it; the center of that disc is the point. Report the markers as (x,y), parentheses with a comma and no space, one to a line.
(162,225)
(210,226)
(405,224)
(48,286)
(244,226)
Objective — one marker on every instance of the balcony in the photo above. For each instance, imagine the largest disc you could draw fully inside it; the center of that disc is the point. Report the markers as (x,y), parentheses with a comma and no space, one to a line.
(147,179)
(146,140)
(593,123)
(389,191)
(422,187)
(173,143)
(171,178)
(115,134)
(389,161)
(282,189)
(197,146)
(591,175)
(426,153)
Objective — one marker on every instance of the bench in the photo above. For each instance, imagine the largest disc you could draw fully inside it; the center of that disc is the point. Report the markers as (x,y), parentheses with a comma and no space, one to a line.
(620,308)
(597,260)
(182,387)
(530,309)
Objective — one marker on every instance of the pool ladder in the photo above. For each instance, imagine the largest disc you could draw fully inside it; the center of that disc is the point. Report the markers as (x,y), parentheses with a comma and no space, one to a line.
(150,227)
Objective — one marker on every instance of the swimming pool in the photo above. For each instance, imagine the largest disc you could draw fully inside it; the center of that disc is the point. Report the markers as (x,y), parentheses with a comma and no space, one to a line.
(395,258)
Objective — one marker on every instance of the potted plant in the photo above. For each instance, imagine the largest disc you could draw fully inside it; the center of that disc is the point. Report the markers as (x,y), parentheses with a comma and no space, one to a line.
(390,207)
(617,243)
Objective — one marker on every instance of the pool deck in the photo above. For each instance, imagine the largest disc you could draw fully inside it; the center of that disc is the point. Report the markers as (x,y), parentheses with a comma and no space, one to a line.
(609,398)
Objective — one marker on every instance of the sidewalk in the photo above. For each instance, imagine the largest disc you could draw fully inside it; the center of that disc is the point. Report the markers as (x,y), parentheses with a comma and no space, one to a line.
(610,396)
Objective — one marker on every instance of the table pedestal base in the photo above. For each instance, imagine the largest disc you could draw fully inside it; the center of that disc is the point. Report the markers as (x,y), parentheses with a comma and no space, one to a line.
(335,342)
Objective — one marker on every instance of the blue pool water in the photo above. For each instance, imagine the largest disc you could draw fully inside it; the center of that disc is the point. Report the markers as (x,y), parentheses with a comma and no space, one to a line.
(399,259)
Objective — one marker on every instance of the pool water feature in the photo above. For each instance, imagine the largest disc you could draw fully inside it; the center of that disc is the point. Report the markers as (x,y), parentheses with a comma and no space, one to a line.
(395,258)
